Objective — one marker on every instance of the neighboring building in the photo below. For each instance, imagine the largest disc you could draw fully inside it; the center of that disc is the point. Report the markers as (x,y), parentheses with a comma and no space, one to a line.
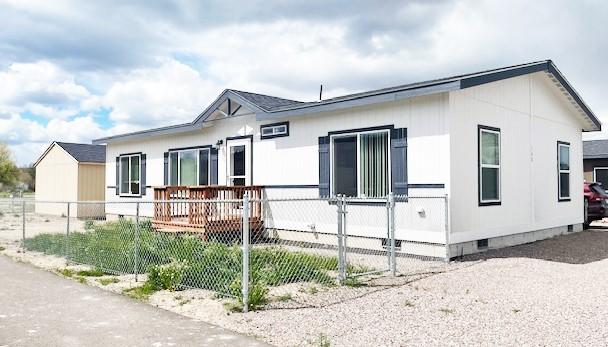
(505,145)
(71,172)
(595,161)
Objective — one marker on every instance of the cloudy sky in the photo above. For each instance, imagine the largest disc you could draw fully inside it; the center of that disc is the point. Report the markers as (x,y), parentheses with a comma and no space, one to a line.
(75,71)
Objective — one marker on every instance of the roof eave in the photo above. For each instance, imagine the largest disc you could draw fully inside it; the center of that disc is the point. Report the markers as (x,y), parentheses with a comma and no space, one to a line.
(362,100)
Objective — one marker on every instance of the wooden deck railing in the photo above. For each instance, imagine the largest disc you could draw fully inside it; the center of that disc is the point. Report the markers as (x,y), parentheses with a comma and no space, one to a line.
(218,209)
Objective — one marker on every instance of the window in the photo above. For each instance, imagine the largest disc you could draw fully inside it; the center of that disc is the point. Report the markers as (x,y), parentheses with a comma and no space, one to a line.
(563,168)
(600,175)
(130,174)
(270,131)
(360,164)
(189,167)
(489,166)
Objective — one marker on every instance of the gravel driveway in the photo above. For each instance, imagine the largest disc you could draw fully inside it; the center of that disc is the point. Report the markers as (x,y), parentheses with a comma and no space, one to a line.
(552,292)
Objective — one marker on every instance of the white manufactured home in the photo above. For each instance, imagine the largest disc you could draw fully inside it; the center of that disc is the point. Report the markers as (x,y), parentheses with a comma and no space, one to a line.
(504,146)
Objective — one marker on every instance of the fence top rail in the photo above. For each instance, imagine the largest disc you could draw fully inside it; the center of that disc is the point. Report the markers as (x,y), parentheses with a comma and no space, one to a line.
(216,201)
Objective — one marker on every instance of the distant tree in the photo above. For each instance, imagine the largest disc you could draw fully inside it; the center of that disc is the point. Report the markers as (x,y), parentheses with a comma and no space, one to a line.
(27,176)
(9,173)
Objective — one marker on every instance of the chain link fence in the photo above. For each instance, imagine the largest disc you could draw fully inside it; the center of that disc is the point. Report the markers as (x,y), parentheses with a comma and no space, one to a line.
(241,248)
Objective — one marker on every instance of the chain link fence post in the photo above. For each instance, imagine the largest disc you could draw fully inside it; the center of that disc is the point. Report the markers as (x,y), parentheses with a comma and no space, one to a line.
(67,236)
(136,246)
(245,237)
(23,226)
(393,262)
(447,228)
(341,253)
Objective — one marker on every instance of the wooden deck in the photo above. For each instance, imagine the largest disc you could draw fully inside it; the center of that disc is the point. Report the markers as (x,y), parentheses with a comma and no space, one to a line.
(221,212)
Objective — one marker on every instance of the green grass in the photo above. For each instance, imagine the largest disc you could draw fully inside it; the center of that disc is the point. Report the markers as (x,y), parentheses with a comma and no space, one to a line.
(108,280)
(109,248)
(66,272)
(141,293)
(91,273)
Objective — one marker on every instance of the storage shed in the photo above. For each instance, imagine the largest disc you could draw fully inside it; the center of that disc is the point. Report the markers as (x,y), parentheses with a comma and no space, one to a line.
(71,172)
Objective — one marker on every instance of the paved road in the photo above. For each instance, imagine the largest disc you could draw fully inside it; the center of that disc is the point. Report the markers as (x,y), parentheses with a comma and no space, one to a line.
(38,308)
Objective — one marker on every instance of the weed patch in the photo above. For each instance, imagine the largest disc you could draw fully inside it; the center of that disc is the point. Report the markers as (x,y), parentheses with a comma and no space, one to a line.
(66,272)
(176,261)
(91,273)
(141,293)
(109,280)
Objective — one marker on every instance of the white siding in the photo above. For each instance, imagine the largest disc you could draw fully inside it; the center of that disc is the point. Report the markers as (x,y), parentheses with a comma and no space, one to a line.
(293,160)
(532,117)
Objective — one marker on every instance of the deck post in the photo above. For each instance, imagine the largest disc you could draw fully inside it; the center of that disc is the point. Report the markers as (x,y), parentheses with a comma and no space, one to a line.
(245,237)
(136,250)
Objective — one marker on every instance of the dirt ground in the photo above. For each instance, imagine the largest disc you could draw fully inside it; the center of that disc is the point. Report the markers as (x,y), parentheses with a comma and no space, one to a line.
(11,224)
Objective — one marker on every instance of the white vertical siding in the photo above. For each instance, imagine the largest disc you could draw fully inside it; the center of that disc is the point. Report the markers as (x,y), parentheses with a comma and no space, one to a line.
(293,160)
(532,117)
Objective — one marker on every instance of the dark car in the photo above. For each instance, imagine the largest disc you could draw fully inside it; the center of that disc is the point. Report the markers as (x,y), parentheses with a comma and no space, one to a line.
(596,202)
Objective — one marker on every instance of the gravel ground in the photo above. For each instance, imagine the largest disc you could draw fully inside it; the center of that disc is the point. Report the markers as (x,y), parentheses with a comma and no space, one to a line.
(552,292)
(11,224)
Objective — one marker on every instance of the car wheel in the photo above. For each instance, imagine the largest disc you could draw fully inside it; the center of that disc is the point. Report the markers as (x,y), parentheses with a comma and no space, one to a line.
(586,220)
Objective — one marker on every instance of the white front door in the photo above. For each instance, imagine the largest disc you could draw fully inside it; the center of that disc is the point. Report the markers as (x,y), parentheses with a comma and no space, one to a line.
(239,162)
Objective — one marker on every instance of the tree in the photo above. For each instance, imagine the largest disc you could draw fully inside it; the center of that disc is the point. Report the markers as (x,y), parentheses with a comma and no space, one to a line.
(9,173)
(27,176)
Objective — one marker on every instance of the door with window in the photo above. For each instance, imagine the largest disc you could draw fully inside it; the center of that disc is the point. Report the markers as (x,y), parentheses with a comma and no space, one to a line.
(239,162)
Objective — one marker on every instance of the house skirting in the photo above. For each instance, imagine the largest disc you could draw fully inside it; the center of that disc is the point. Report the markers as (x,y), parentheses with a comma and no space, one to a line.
(471,247)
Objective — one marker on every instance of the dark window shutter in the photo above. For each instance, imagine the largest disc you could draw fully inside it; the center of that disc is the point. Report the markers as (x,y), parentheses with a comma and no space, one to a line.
(117,175)
(203,167)
(166,168)
(142,181)
(399,161)
(324,166)
(214,170)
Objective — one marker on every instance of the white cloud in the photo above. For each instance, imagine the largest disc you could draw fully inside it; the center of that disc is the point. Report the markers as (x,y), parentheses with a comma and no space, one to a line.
(41,88)
(24,136)
(169,93)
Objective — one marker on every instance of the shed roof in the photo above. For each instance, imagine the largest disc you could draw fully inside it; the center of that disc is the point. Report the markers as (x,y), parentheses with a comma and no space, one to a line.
(82,152)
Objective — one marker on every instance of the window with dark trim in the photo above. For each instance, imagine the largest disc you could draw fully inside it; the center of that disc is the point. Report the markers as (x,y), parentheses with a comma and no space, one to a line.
(489,165)
(129,174)
(189,167)
(269,131)
(563,171)
(360,163)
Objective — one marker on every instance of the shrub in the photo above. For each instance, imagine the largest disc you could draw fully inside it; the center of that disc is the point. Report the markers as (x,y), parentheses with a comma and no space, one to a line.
(89,224)
(167,276)
(258,292)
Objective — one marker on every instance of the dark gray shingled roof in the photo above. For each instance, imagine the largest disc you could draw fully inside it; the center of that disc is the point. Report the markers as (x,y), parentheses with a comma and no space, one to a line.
(595,149)
(266,102)
(84,153)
